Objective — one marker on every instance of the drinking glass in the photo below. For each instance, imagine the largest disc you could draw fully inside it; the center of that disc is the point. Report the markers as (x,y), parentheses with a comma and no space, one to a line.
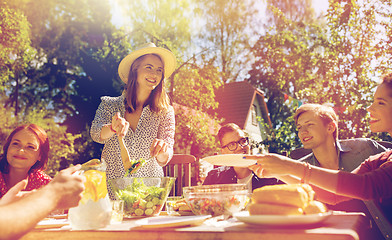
(170,203)
(117,211)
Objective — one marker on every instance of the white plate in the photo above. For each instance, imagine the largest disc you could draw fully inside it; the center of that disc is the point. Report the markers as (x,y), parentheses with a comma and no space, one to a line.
(281,220)
(232,160)
(52,223)
(58,216)
(171,221)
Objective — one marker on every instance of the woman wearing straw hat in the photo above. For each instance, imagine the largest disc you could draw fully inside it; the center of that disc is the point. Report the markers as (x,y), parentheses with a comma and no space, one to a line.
(142,115)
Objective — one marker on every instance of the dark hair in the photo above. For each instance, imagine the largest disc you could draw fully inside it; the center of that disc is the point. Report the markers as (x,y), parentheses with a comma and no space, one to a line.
(230,127)
(326,113)
(158,99)
(43,146)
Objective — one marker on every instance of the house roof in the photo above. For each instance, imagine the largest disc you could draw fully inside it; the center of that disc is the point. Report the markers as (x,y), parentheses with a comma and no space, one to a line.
(235,101)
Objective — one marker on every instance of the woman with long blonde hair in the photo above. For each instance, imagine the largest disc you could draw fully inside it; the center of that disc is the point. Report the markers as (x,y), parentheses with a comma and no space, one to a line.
(142,115)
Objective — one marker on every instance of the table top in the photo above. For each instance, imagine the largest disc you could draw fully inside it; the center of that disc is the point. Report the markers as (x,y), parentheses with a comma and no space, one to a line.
(337,226)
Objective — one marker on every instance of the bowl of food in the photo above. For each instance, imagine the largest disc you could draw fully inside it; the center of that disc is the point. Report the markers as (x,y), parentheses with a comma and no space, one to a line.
(143,197)
(218,199)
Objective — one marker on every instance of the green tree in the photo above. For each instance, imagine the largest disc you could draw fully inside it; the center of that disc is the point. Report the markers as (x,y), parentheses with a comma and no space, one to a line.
(164,22)
(15,46)
(196,119)
(78,53)
(225,32)
(285,63)
(297,11)
(322,63)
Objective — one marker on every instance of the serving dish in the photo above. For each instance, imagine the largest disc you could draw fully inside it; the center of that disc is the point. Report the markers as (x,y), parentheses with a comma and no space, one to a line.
(281,220)
(171,221)
(218,199)
(143,197)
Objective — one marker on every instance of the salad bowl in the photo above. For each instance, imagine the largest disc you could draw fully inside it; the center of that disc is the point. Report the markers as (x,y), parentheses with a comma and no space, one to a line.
(218,199)
(143,197)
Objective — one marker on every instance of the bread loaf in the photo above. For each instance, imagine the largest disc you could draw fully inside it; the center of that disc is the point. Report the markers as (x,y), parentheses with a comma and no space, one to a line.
(273,209)
(287,199)
(297,195)
(315,207)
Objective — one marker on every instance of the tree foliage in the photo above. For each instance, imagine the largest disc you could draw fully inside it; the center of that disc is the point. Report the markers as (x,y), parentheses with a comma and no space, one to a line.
(194,91)
(57,58)
(321,63)
(226,27)
(15,45)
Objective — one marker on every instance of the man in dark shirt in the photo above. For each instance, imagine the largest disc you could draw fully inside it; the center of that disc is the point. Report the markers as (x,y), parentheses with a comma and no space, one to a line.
(234,141)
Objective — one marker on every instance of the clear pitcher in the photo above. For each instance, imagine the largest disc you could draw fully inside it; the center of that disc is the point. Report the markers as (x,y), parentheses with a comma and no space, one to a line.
(94,210)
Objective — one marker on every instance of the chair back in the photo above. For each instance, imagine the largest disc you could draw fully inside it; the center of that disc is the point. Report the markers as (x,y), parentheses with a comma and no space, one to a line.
(180,168)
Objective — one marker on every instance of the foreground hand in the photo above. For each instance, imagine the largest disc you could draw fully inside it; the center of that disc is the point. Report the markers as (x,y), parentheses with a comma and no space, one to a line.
(270,165)
(158,147)
(15,193)
(120,125)
(68,187)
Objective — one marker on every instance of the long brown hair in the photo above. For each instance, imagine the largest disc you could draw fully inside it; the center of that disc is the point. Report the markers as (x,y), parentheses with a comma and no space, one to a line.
(43,147)
(158,99)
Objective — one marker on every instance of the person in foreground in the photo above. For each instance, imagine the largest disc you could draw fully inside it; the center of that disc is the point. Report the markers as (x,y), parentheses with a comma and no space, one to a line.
(318,130)
(25,156)
(234,141)
(372,180)
(20,212)
(142,116)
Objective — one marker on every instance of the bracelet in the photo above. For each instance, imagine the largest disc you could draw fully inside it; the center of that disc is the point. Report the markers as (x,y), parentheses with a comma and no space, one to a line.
(306,176)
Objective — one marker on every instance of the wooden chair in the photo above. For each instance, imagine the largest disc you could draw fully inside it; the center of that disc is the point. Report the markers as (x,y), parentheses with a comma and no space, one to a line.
(179,167)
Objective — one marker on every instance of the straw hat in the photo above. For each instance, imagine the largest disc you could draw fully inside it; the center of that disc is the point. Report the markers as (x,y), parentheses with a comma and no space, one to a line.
(168,58)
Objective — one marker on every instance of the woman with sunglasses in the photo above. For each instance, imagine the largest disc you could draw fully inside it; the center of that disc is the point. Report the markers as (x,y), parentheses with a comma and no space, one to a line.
(234,141)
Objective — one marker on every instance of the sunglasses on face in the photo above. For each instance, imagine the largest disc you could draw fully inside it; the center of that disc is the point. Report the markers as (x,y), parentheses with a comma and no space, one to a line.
(232,146)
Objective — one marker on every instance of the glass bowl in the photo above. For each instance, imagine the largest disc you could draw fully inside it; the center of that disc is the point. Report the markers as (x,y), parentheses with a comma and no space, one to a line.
(143,197)
(218,199)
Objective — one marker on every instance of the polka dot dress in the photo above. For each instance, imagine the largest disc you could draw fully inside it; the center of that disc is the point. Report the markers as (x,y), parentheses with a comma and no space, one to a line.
(36,180)
(138,142)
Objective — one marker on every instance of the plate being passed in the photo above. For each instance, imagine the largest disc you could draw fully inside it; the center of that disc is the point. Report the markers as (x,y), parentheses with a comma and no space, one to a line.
(171,221)
(279,220)
(231,160)
(52,223)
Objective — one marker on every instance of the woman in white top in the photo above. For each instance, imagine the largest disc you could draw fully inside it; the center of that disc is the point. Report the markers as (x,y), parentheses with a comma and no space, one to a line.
(142,115)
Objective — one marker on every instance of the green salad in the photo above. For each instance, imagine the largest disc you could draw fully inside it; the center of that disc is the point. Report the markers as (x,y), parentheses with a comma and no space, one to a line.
(141,200)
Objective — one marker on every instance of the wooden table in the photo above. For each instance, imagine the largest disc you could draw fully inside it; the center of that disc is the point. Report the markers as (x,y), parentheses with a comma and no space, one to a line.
(340,226)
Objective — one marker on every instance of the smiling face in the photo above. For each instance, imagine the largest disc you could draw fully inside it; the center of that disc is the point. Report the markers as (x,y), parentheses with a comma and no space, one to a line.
(381,110)
(231,137)
(312,131)
(23,151)
(150,72)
